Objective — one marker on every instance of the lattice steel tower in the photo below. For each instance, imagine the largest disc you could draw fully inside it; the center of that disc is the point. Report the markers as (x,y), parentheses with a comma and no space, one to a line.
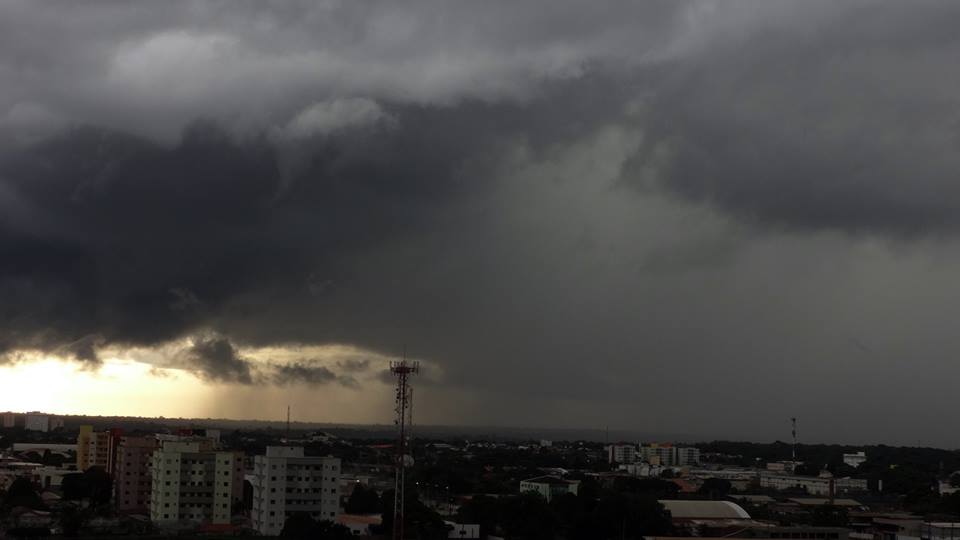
(402,370)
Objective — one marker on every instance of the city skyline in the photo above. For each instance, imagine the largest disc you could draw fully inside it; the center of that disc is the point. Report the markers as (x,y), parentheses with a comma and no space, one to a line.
(697,217)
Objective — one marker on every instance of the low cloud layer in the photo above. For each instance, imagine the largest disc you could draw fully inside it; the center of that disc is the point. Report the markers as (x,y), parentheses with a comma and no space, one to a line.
(572,214)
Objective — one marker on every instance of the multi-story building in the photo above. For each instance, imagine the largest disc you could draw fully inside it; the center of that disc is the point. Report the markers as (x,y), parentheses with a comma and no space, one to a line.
(131,474)
(83,447)
(96,448)
(549,486)
(193,483)
(9,420)
(286,482)
(669,455)
(622,453)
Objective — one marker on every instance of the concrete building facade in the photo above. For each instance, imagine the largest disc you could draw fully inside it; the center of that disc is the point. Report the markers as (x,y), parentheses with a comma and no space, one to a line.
(287,482)
(131,474)
(622,453)
(193,483)
(95,448)
(669,455)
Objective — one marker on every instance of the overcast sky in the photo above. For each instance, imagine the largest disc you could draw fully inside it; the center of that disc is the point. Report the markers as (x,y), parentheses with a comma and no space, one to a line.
(685,217)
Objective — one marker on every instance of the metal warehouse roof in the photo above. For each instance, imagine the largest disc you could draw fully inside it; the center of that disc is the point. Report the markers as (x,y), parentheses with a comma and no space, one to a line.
(704,510)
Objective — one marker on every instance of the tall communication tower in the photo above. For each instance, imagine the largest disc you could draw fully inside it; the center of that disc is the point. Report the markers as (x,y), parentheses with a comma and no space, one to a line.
(402,370)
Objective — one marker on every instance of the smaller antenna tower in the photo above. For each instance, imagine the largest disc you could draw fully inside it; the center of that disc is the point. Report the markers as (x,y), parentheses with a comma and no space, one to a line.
(793,425)
(288,423)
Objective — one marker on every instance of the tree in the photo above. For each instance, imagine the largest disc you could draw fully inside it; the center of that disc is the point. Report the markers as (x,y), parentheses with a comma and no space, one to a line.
(100,485)
(715,488)
(21,493)
(482,510)
(71,521)
(659,489)
(94,485)
(301,526)
(528,516)
(363,500)
(74,487)
(829,516)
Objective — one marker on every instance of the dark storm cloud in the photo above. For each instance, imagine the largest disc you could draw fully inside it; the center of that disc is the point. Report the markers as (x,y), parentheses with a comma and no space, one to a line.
(558,207)
(216,359)
(306,372)
(141,242)
(353,364)
(847,121)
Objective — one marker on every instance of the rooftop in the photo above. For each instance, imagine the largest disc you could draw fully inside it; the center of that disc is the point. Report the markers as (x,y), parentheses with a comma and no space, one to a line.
(704,509)
(549,480)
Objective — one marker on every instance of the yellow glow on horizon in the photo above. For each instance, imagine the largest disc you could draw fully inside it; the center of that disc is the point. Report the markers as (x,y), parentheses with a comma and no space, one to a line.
(129,383)
(118,388)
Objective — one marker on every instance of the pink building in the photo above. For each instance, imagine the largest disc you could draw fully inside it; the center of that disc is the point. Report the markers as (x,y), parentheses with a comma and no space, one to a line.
(131,474)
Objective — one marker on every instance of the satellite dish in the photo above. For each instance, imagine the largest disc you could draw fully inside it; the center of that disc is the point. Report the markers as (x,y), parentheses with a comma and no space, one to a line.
(407,460)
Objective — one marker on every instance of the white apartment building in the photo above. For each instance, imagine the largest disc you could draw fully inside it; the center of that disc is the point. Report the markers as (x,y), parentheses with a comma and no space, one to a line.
(286,482)
(193,483)
(622,453)
(669,455)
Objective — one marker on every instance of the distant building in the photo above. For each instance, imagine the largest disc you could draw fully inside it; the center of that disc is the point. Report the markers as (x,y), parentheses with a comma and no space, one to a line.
(782,466)
(641,469)
(669,455)
(622,453)
(549,486)
(286,482)
(40,448)
(193,483)
(9,420)
(855,460)
(947,487)
(37,422)
(95,448)
(938,530)
(462,530)
(814,485)
(131,474)
(83,447)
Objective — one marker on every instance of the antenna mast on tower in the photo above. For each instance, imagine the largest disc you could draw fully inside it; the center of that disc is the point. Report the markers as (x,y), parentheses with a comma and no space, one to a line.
(404,399)
(793,425)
